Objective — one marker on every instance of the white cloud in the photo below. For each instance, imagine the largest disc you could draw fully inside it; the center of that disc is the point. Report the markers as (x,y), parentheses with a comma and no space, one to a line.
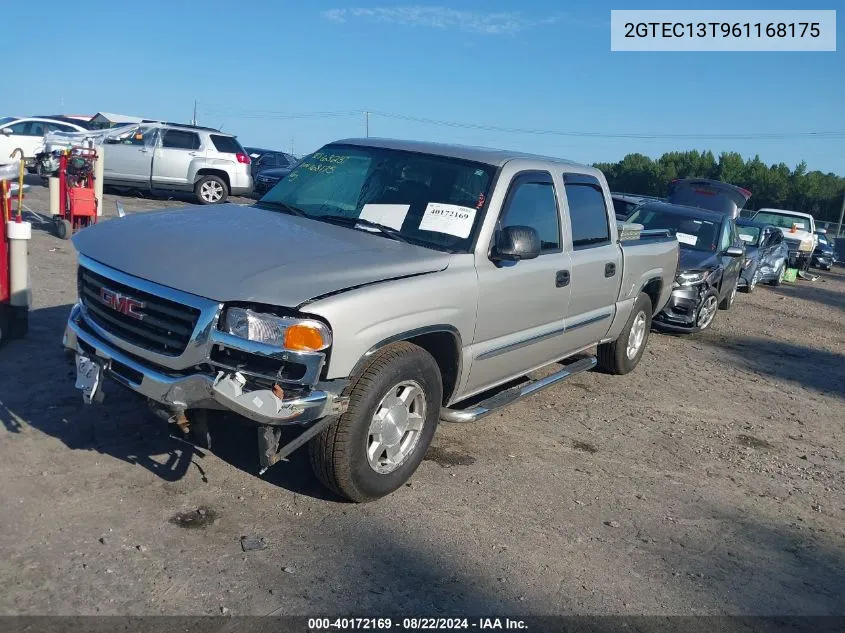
(499,23)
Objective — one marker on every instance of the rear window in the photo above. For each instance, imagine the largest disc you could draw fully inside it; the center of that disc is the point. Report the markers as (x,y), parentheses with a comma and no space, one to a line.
(227,144)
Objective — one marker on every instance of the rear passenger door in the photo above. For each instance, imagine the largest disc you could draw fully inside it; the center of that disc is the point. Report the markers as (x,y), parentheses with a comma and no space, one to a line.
(521,305)
(173,156)
(596,263)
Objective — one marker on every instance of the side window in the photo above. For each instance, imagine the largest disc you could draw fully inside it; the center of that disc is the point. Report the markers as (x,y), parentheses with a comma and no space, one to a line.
(587,211)
(532,202)
(180,139)
(734,234)
(725,241)
(777,238)
(281,160)
(37,128)
(19,129)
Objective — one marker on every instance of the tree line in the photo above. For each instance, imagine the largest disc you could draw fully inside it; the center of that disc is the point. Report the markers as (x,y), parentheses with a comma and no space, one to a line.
(775,186)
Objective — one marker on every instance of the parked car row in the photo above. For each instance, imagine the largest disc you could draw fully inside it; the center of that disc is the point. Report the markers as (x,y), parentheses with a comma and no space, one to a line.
(382,286)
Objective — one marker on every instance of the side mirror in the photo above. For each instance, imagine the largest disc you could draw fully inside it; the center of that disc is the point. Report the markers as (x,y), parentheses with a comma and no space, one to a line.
(735,251)
(515,243)
(6,131)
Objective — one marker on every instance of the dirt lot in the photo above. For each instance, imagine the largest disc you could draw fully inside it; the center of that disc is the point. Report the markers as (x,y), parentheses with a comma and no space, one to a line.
(709,481)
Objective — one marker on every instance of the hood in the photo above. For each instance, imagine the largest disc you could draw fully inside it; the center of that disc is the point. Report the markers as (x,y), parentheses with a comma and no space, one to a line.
(275,172)
(233,253)
(690,259)
(713,195)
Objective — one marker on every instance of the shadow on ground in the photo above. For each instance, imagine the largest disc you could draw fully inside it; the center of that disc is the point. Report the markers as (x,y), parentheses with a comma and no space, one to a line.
(817,369)
(37,390)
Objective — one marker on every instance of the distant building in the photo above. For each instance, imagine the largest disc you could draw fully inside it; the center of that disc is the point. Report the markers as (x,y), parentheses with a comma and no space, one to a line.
(104,120)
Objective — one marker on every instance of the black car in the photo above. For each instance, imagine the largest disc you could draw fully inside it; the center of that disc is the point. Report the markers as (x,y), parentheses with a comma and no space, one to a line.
(766,254)
(710,262)
(624,204)
(263,159)
(824,256)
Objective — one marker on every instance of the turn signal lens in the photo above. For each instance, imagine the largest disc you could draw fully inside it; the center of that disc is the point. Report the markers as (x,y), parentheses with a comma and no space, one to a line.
(305,338)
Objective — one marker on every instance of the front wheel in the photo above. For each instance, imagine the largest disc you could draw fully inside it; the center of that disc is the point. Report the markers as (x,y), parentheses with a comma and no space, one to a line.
(394,407)
(622,355)
(211,190)
(778,280)
(707,311)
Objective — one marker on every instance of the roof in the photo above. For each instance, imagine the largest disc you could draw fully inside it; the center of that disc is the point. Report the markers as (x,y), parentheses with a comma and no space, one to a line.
(117,118)
(691,212)
(496,157)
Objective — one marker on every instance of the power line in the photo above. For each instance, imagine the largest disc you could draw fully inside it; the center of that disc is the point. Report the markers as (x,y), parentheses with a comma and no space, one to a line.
(269,114)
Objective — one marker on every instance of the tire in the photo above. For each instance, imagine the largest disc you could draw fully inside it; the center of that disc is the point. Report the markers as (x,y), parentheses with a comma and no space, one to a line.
(622,355)
(340,455)
(710,300)
(778,280)
(728,301)
(211,190)
(750,285)
(64,229)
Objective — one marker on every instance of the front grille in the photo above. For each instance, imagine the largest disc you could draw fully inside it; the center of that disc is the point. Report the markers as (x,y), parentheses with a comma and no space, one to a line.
(166,326)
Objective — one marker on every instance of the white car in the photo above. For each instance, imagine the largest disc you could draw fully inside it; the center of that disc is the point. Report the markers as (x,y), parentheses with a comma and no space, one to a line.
(799,233)
(27,133)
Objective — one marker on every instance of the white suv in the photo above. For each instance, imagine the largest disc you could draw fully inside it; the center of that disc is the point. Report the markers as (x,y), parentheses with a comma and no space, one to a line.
(175,157)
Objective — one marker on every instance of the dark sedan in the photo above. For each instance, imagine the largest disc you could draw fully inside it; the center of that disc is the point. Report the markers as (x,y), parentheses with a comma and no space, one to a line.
(824,256)
(709,266)
(766,254)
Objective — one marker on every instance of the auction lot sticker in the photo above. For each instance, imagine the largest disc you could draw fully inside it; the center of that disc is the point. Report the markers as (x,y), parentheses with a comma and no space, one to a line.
(728,30)
(451,219)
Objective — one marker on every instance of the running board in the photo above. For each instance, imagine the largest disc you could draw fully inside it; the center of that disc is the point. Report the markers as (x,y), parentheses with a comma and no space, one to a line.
(510,396)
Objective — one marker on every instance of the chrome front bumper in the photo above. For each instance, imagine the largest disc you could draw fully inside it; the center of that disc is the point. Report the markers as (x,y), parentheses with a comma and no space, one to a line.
(179,391)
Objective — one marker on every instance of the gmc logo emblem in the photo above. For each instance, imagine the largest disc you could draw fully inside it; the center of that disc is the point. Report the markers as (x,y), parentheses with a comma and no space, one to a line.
(121,303)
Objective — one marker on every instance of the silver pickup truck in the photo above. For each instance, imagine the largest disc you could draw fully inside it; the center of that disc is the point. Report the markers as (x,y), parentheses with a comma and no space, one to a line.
(379,288)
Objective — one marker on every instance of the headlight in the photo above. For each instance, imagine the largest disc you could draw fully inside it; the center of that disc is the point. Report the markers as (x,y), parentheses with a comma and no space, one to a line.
(807,244)
(691,277)
(298,335)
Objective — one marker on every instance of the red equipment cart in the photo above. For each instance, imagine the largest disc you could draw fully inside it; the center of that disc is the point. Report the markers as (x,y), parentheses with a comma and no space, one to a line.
(77,198)
(14,275)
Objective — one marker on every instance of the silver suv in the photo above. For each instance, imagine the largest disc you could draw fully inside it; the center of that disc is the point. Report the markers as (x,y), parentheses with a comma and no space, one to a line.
(171,157)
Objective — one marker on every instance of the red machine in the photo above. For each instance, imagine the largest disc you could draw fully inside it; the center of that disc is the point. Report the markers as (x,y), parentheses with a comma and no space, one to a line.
(77,198)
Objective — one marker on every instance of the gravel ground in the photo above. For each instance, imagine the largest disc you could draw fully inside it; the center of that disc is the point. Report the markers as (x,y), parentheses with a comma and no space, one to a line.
(709,481)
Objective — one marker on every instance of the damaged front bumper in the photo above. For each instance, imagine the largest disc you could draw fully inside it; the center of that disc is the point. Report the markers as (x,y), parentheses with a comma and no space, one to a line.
(682,309)
(226,389)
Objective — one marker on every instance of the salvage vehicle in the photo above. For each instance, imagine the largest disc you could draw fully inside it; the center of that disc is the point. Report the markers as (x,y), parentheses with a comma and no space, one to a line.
(824,256)
(713,195)
(382,286)
(711,259)
(266,179)
(766,254)
(625,203)
(27,133)
(799,231)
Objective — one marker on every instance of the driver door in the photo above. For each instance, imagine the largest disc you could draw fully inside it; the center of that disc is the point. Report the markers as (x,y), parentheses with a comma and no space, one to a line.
(129,160)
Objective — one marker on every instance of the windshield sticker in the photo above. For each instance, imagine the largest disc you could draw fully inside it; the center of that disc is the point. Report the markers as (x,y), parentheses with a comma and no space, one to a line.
(799,225)
(686,238)
(746,238)
(451,219)
(392,215)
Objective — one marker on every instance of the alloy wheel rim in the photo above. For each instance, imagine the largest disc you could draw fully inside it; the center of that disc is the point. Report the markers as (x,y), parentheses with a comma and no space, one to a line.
(211,191)
(396,427)
(707,312)
(636,336)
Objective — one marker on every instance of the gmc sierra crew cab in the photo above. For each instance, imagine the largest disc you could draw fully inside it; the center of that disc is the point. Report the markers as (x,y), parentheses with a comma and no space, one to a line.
(380,287)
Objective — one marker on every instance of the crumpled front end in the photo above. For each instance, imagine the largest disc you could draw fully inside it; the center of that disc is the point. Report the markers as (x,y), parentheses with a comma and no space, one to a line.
(166,346)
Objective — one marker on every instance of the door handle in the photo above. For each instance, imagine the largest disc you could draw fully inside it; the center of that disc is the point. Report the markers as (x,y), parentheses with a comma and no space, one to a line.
(562,278)
(609,269)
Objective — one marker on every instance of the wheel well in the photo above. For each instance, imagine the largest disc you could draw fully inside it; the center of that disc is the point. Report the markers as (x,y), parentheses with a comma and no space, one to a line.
(214,172)
(444,347)
(653,289)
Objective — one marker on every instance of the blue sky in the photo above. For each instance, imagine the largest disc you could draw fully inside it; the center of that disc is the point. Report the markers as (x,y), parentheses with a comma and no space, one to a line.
(533,64)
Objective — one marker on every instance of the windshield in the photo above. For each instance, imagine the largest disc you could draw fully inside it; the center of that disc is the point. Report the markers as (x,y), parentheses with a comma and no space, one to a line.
(783,220)
(692,233)
(823,240)
(432,201)
(7,119)
(749,234)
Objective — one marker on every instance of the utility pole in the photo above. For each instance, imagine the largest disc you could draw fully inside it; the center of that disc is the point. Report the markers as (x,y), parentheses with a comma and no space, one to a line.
(367,123)
(194,120)
(291,147)
(841,214)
